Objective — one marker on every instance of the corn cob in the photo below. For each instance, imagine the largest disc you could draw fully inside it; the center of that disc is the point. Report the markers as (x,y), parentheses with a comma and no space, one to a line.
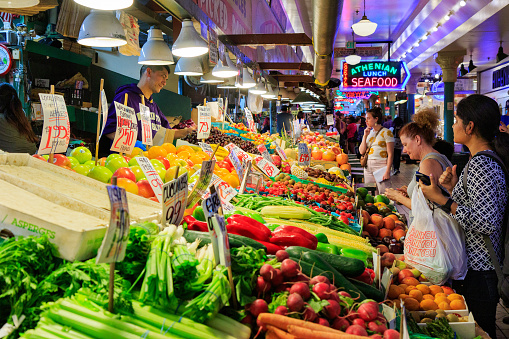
(286,212)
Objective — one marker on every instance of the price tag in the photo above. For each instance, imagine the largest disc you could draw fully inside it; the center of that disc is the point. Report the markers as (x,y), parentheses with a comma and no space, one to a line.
(206,171)
(207,149)
(104,110)
(267,167)
(280,151)
(174,200)
(220,107)
(146,123)
(127,129)
(304,155)
(236,163)
(204,122)
(222,240)
(250,121)
(212,204)
(57,130)
(117,236)
(152,176)
(223,189)
(330,119)
(263,150)
(243,156)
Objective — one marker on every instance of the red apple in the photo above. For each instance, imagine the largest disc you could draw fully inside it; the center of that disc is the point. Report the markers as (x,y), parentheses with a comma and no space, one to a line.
(165,162)
(37,156)
(406,273)
(145,190)
(67,168)
(276,160)
(125,172)
(127,158)
(61,160)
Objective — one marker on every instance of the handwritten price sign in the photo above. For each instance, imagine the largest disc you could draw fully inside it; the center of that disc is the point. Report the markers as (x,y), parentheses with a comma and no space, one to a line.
(207,169)
(267,167)
(207,149)
(304,155)
(204,122)
(127,129)
(104,109)
(146,129)
(243,156)
(152,176)
(223,189)
(280,151)
(174,200)
(57,130)
(330,119)
(220,107)
(263,151)
(250,121)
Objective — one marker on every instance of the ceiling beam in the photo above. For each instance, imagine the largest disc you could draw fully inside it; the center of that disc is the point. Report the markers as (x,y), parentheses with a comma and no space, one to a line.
(293,78)
(301,66)
(150,17)
(290,39)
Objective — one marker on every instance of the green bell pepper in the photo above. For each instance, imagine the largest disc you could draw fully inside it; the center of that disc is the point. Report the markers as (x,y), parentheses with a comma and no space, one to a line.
(198,214)
(327,248)
(322,238)
(255,216)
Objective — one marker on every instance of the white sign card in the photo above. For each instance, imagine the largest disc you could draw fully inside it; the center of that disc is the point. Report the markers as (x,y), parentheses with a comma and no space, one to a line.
(175,200)
(127,129)
(330,119)
(56,131)
(104,110)
(204,122)
(304,155)
(223,189)
(207,149)
(214,109)
(220,107)
(280,151)
(146,125)
(263,150)
(250,121)
(222,240)
(243,156)
(152,176)
(267,167)
(206,171)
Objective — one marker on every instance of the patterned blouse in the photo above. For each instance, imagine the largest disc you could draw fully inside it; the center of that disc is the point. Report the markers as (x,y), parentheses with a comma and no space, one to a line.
(378,150)
(482,211)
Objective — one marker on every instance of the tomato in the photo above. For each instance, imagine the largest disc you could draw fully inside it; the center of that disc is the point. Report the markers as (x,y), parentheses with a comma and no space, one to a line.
(226,165)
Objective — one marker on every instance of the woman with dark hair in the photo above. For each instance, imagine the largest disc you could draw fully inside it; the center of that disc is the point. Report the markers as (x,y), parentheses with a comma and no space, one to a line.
(398,146)
(478,206)
(16,135)
(266,125)
(300,124)
(378,142)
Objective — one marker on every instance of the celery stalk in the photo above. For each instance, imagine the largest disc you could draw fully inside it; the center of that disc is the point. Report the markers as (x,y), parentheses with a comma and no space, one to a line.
(229,326)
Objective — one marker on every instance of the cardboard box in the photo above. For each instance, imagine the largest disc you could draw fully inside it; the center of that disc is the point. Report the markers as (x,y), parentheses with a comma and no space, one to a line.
(465,330)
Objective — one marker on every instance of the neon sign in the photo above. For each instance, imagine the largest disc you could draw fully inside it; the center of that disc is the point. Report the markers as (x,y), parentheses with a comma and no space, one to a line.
(355,94)
(374,75)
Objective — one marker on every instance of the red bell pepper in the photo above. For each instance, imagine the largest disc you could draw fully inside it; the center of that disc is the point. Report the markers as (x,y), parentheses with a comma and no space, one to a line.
(238,219)
(271,248)
(293,240)
(293,230)
(246,231)
(195,225)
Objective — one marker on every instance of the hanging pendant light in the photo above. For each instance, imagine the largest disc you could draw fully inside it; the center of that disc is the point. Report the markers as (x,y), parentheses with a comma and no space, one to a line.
(224,71)
(101,29)
(269,94)
(227,84)
(209,78)
(471,65)
(304,98)
(105,5)
(155,51)
(189,43)
(501,55)
(247,80)
(463,71)
(259,88)
(364,27)
(18,3)
(188,66)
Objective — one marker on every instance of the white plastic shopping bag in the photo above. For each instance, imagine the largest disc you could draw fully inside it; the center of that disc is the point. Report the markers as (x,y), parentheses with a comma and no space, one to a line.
(423,248)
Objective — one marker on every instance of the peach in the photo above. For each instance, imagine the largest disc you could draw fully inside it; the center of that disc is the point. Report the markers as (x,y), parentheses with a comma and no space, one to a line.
(384,232)
(389,223)
(377,220)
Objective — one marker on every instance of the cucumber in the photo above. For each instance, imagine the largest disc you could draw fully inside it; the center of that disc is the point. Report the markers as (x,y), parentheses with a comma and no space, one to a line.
(339,280)
(234,240)
(307,268)
(349,267)
(369,291)
(247,242)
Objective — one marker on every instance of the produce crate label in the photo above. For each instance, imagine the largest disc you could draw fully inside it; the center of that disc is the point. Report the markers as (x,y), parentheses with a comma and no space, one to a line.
(146,128)
(175,200)
(304,155)
(56,132)
(204,122)
(280,151)
(267,167)
(222,240)
(104,110)
(127,129)
(330,119)
(265,154)
(152,176)
(117,236)
(207,149)
(250,121)
(206,171)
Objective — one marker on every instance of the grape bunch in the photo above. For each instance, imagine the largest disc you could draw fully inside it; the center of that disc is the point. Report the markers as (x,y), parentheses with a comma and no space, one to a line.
(216,137)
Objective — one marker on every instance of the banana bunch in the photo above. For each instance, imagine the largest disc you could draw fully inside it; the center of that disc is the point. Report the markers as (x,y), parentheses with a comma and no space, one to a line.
(221,152)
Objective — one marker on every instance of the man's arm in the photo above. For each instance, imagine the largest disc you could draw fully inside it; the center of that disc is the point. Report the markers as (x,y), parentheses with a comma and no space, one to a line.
(181,133)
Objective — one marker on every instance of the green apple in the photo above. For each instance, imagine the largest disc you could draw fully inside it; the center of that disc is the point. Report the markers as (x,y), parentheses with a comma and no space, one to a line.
(82,154)
(114,164)
(416,273)
(170,173)
(157,163)
(90,163)
(46,156)
(400,264)
(161,171)
(114,156)
(193,178)
(82,169)
(138,173)
(100,173)
(134,161)
(73,162)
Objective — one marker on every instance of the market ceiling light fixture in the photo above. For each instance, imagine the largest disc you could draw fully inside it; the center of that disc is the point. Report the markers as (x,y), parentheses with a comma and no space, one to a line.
(364,27)
(227,84)
(463,71)
(106,5)
(269,94)
(463,3)
(156,50)
(353,59)
(188,66)
(225,71)
(259,88)
(471,65)
(501,55)
(101,29)
(189,43)
(304,98)
(18,3)
(247,80)
(209,78)
(448,15)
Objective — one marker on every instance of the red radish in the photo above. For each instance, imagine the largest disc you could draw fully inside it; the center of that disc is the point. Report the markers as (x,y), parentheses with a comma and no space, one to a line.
(322,321)
(381,318)
(267,272)
(368,311)
(248,319)
(278,278)
(282,255)
(302,289)
(356,330)
(280,288)
(340,324)
(309,314)
(352,315)
(319,279)
(322,290)
(300,278)
(258,306)
(376,336)
(281,310)
(359,322)
(332,310)
(344,294)
(262,286)
(290,268)
(334,296)
(377,327)
(295,302)
(391,334)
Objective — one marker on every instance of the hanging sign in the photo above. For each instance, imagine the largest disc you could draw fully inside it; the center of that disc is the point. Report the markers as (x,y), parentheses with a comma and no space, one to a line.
(104,110)
(341,52)
(354,95)
(267,167)
(330,119)
(204,122)
(127,129)
(56,132)
(213,55)
(152,177)
(263,151)
(374,75)
(304,155)
(174,200)
(250,121)
(146,129)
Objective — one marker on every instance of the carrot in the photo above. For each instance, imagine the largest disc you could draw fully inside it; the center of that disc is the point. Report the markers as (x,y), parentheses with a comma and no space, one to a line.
(306,333)
(282,322)
(271,335)
(280,333)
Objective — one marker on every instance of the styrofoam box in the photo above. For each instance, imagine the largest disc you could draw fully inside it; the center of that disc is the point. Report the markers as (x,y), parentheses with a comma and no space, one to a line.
(465,330)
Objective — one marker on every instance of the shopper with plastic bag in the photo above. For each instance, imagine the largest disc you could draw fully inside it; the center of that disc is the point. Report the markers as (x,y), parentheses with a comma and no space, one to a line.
(480,208)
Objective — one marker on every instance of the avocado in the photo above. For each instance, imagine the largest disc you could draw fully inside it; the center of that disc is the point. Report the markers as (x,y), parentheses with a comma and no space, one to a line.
(382,198)
(360,203)
(369,199)
(362,191)
(385,211)
(371,209)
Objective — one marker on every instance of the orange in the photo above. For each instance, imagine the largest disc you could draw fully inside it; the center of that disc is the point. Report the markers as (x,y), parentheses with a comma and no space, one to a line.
(203,155)
(444,306)
(185,148)
(428,296)
(171,156)
(136,151)
(455,296)
(440,295)
(423,288)
(416,294)
(403,286)
(232,180)
(409,288)
(393,216)
(156,151)
(457,305)
(145,154)
(434,289)
(189,163)
(428,305)
(439,300)
(195,159)
(183,155)
(128,185)
(170,148)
